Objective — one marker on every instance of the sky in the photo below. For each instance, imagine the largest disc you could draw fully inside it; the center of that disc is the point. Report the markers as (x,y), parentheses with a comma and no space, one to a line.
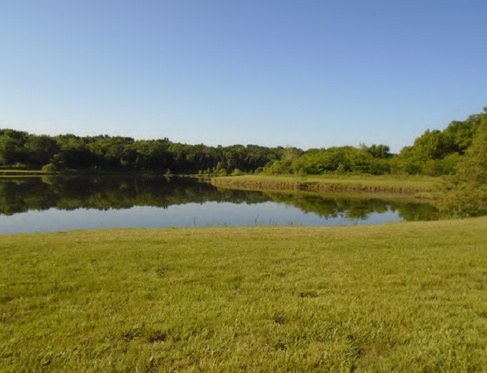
(309,73)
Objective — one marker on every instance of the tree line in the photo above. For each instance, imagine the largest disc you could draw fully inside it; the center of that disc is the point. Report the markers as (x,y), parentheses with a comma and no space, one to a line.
(20,149)
(433,153)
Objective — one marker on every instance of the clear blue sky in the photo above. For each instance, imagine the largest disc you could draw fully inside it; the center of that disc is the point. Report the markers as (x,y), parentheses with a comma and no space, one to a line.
(269,72)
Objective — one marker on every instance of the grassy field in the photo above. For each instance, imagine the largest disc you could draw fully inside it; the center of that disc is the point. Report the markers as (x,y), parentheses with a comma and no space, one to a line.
(398,297)
(341,183)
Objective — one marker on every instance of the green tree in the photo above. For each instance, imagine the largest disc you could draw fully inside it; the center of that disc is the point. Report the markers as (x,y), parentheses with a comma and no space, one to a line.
(466,191)
(40,149)
(377,151)
(12,150)
(459,134)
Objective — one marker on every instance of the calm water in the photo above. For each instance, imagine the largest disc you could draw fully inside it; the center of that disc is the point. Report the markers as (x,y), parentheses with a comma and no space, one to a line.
(60,204)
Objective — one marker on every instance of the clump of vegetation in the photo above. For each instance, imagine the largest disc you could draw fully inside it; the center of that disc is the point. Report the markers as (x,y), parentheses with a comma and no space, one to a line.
(50,168)
(466,191)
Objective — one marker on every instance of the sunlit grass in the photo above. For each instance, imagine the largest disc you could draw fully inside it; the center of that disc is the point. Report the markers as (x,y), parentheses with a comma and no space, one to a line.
(398,297)
(385,183)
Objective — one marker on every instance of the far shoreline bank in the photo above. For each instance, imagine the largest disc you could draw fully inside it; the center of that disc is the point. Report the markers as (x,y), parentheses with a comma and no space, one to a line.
(420,187)
(411,185)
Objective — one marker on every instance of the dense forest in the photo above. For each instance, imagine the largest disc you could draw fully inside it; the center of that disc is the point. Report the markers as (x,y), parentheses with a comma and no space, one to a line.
(434,153)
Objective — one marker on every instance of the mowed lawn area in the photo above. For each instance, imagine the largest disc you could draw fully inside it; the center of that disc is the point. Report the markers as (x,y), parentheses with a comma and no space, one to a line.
(397,297)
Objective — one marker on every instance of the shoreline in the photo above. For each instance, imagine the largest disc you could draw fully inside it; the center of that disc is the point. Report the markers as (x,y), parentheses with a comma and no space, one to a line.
(418,187)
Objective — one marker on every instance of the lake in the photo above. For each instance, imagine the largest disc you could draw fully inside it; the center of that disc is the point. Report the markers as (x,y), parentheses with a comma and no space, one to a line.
(46,204)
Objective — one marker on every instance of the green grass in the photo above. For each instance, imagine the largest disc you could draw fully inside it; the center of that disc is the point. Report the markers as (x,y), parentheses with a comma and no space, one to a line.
(398,297)
(387,183)
(17,172)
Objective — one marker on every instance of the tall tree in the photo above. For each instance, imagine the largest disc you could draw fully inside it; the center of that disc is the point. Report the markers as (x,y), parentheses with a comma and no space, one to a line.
(466,191)
(40,149)
(12,147)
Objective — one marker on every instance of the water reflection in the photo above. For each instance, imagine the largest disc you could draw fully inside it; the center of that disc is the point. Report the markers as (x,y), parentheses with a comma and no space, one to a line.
(138,202)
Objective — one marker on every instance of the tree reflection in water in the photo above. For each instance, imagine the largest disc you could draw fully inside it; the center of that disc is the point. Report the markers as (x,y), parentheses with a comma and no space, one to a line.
(120,192)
